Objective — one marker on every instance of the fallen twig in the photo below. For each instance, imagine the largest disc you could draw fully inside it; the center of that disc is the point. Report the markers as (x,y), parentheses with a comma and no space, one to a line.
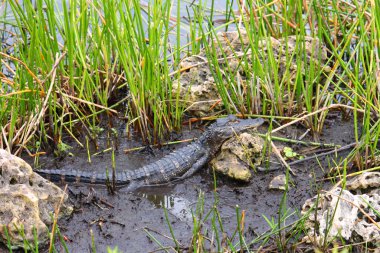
(278,153)
(156,145)
(305,143)
(309,157)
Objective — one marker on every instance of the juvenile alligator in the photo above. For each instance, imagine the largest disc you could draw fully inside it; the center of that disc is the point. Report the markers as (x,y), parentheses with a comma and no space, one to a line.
(179,164)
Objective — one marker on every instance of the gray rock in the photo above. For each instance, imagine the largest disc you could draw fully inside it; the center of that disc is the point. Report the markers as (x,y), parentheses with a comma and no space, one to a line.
(345,214)
(237,155)
(197,88)
(27,201)
(366,180)
(278,182)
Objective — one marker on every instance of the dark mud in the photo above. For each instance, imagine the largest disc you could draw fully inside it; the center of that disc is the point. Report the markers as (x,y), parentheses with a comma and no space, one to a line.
(124,219)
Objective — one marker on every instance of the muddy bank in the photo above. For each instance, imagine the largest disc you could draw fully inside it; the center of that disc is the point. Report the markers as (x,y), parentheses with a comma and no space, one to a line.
(123,219)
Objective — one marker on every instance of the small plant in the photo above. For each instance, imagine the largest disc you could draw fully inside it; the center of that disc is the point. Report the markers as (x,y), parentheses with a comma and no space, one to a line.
(114,250)
(289,153)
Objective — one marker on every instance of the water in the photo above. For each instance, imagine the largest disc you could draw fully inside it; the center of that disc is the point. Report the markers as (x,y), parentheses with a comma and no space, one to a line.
(178,206)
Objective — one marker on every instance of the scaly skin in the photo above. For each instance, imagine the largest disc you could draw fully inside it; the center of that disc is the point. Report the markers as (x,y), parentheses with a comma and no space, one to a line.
(179,164)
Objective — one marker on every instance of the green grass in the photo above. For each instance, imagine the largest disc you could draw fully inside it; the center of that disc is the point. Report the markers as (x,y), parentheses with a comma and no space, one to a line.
(118,57)
(75,66)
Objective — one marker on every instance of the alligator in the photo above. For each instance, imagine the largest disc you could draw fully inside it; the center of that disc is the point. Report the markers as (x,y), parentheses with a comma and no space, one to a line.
(177,165)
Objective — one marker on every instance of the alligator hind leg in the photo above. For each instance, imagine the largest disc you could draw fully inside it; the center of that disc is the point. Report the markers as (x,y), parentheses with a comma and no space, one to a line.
(196,166)
(132,186)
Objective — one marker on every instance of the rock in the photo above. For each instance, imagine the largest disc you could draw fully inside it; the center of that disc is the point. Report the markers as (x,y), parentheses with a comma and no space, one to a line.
(237,155)
(366,180)
(27,201)
(230,165)
(278,183)
(315,53)
(196,85)
(345,214)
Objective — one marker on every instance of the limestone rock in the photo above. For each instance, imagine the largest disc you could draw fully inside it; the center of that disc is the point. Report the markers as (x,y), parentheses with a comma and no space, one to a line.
(197,88)
(366,180)
(344,214)
(315,53)
(27,201)
(278,183)
(237,155)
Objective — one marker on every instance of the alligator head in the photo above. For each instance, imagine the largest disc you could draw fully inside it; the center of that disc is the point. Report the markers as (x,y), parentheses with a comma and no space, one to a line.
(225,128)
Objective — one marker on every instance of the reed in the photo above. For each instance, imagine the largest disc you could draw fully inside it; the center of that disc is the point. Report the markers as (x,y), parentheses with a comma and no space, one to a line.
(96,56)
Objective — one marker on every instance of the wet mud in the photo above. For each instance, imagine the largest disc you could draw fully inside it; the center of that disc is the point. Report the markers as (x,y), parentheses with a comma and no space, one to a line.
(125,219)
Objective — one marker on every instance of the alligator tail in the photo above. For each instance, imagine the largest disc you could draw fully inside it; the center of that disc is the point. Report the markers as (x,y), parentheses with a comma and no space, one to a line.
(64,176)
